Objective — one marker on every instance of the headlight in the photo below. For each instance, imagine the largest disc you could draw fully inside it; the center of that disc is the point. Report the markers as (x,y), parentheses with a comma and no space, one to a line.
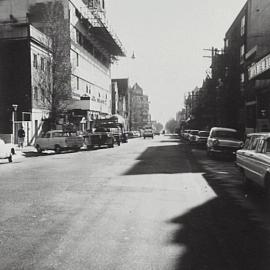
(216,142)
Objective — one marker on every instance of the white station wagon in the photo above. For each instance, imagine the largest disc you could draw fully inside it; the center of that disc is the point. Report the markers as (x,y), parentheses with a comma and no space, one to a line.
(254,160)
(223,141)
(6,151)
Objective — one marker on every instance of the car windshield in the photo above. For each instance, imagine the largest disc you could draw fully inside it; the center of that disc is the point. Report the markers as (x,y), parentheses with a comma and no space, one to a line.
(225,134)
(204,133)
(194,132)
(101,129)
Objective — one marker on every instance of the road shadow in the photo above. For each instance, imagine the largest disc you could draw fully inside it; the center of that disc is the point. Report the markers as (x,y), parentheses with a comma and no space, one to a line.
(219,236)
(223,233)
(164,159)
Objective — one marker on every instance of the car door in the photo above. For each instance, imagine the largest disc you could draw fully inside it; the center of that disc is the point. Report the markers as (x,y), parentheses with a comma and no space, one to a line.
(263,161)
(255,162)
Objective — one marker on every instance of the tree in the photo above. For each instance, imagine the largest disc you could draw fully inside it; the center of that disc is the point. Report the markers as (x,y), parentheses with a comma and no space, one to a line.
(171,125)
(158,126)
(50,19)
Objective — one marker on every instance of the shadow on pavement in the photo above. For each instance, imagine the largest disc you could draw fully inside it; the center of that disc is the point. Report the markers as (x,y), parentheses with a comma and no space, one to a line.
(221,234)
(165,159)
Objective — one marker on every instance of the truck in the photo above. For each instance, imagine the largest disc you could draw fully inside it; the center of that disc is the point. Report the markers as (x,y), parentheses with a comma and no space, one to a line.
(101,136)
(58,140)
(116,125)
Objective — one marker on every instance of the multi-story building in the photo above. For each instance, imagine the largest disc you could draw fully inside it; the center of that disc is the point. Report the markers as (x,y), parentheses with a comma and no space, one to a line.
(25,79)
(257,75)
(139,108)
(247,51)
(235,48)
(90,47)
(120,99)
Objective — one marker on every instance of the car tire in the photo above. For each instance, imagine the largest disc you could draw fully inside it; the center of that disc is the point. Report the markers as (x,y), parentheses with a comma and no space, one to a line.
(111,145)
(57,149)
(39,150)
(10,158)
(90,147)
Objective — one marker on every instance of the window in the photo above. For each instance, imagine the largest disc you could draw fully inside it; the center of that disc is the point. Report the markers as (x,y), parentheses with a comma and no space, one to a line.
(260,146)
(226,43)
(35,93)
(78,83)
(35,61)
(242,51)
(267,146)
(42,95)
(42,64)
(242,78)
(77,59)
(243,26)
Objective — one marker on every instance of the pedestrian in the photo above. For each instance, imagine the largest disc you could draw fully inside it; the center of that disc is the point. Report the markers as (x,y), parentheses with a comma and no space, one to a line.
(21,135)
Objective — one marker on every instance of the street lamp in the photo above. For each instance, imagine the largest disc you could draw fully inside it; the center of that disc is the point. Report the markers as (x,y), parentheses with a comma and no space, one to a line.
(14,110)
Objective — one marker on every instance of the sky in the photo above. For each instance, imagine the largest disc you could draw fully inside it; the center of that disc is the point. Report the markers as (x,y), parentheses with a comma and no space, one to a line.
(168,38)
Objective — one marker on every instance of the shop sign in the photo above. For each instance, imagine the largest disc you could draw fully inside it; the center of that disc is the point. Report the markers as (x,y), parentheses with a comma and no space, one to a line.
(260,67)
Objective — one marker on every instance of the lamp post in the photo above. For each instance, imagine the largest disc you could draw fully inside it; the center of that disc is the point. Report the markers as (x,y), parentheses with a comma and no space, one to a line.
(14,110)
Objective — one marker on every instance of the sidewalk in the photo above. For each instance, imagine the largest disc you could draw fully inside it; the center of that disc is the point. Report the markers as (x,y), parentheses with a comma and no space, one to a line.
(19,152)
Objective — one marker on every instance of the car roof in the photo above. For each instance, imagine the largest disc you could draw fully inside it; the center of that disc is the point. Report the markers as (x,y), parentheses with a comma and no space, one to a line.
(225,129)
(262,134)
(56,130)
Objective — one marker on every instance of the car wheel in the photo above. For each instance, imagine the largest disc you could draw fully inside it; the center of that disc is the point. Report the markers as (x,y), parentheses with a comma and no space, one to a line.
(10,158)
(13,151)
(57,149)
(39,150)
(118,143)
(111,145)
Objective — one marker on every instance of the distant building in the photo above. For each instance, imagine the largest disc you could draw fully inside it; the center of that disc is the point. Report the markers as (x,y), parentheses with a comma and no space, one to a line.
(139,108)
(120,98)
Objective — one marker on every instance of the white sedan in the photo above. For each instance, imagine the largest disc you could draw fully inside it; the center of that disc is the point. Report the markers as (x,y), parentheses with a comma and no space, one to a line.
(6,151)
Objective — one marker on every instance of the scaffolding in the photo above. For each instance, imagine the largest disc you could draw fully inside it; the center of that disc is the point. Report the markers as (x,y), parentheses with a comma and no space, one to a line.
(101,28)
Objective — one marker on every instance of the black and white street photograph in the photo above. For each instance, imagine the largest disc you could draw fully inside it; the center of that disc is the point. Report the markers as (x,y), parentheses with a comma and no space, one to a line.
(134,135)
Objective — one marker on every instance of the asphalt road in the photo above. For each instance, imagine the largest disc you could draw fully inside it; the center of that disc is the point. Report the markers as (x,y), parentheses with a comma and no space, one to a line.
(148,204)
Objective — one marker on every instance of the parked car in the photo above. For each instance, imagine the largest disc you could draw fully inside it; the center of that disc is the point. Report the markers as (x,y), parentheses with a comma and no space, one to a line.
(254,160)
(201,138)
(58,140)
(101,136)
(156,132)
(223,141)
(6,151)
(186,134)
(192,136)
(148,133)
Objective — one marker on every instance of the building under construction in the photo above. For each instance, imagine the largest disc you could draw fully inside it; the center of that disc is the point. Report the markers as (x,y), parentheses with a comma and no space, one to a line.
(89,49)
